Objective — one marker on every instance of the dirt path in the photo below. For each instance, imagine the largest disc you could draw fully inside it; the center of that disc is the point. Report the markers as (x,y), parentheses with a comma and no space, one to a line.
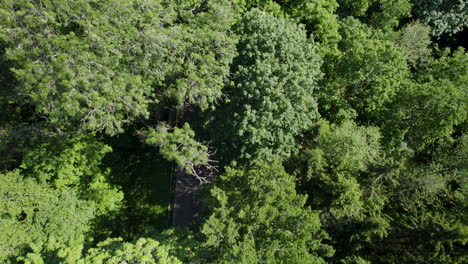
(187,206)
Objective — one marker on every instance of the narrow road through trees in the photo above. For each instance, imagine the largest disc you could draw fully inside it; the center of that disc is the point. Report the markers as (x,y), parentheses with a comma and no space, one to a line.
(187,205)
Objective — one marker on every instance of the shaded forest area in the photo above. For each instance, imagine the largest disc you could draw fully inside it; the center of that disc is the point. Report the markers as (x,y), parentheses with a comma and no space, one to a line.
(322,131)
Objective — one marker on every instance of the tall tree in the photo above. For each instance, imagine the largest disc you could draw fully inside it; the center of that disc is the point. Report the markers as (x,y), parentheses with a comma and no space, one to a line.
(87,66)
(363,77)
(259,218)
(433,106)
(380,14)
(271,98)
(100,65)
(337,169)
(415,43)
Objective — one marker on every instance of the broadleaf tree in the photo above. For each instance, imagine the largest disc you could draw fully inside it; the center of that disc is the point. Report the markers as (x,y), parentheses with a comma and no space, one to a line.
(259,218)
(271,96)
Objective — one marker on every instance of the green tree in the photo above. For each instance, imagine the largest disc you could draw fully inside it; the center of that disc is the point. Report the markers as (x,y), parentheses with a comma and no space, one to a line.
(271,98)
(319,18)
(337,169)
(432,108)
(180,147)
(444,16)
(74,163)
(428,210)
(259,218)
(201,48)
(97,66)
(39,220)
(380,14)
(115,250)
(364,77)
(415,43)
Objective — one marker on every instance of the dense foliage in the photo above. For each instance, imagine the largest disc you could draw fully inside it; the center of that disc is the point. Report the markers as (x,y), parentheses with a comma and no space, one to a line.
(320,131)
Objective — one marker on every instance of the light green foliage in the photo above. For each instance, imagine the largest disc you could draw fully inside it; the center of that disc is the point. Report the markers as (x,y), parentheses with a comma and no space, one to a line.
(74,163)
(78,64)
(272,95)
(436,103)
(381,14)
(99,65)
(414,41)
(354,260)
(389,13)
(444,16)
(181,243)
(200,49)
(366,76)
(320,19)
(335,170)
(347,147)
(335,161)
(142,251)
(35,218)
(179,146)
(318,16)
(259,218)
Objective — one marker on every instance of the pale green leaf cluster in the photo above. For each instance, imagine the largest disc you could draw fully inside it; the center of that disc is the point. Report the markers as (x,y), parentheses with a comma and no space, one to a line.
(336,162)
(444,16)
(75,163)
(415,41)
(37,220)
(178,145)
(116,251)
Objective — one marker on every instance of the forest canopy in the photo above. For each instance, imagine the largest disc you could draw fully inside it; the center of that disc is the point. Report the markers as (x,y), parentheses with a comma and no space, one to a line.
(316,131)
